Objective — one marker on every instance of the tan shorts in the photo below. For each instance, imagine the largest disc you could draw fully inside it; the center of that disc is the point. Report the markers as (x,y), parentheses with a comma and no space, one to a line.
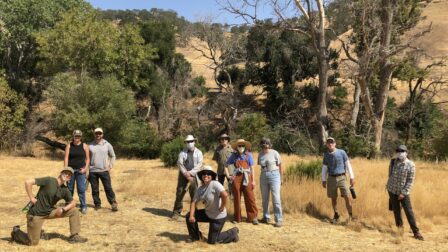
(333,183)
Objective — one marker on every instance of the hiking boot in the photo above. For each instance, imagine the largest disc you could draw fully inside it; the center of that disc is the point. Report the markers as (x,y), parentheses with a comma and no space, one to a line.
(114,207)
(44,236)
(19,236)
(278,224)
(97,207)
(175,216)
(234,222)
(335,219)
(84,210)
(236,231)
(255,221)
(418,236)
(265,220)
(76,238)
(352,218)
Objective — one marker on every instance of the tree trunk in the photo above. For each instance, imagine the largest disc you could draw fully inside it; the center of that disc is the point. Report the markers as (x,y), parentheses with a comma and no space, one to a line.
(322,101)
(355,109)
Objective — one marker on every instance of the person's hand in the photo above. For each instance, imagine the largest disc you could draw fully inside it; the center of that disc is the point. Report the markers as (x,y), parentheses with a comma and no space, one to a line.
(192,219)
(352,182)
(324,184)
(401,196)
(33,200)
(109,169)
(82,170)
(59,212)
(221,208)
(190,178)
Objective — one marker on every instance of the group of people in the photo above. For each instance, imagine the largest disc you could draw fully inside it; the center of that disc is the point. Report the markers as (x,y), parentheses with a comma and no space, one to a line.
(82,162)
(235,163)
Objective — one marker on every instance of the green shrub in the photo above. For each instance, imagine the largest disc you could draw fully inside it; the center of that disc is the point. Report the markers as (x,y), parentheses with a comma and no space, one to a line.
(138,140)
(309,170)
(252,127)
(170,151)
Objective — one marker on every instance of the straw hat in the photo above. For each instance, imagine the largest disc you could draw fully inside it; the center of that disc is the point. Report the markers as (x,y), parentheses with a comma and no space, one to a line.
(207,169)
(190,138)
(241,141)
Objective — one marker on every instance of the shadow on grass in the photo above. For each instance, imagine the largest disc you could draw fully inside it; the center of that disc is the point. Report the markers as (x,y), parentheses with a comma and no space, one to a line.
(158,211)
(313,211)
(174,237)
(53,235)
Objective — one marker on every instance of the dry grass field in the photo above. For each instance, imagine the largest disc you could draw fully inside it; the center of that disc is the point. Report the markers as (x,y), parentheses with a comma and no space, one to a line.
(145,192)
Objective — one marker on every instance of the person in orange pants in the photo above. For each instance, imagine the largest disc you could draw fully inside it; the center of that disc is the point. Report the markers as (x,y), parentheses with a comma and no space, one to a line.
(243,180)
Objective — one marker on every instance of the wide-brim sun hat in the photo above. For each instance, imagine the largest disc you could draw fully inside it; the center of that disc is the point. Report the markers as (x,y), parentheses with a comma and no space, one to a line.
(402,147)
(207,169)
(189,138)
(241,141)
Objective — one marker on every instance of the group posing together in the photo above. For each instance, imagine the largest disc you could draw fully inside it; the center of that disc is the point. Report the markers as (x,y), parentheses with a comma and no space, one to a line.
(235,164)
(82,163)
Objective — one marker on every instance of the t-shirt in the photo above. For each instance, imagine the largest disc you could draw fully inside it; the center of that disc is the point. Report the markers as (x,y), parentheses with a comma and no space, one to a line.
(209,195)
(335,161)
(269,161)
(221,155)
(49,194)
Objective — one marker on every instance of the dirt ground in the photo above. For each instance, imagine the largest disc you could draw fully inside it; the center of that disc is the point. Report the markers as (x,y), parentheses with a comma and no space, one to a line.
(145,193)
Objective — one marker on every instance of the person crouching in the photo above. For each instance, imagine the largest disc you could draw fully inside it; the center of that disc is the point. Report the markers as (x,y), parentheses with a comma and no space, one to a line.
(213,197)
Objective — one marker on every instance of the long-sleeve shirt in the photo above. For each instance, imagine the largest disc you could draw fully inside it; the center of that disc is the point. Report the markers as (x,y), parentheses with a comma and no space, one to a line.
(183,162)
(401,177)
(99,154)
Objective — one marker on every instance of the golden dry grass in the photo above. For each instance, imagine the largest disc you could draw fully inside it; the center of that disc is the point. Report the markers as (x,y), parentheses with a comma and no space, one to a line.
(145,191)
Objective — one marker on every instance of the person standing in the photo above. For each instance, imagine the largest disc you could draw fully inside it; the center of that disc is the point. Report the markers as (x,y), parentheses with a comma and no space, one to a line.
(399,184)
(101,150)
(221,155)
(334,168)
(77,156)
(243,180)
(51,190)
(189,162)
(212,195)
(270,181)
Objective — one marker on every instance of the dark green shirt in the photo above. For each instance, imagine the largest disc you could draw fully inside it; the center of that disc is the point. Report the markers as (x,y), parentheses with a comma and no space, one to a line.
(49,194)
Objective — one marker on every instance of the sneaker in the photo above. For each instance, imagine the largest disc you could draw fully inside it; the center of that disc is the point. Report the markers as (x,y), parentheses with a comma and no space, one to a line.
(77,239)
(237,237)
(352,218)
(255,222)
(97,207)
(114,207)
(189,240)
(418,236)
(265,220)
(84,210)
(335,219)
(278,224)
(234,222)
(175,216)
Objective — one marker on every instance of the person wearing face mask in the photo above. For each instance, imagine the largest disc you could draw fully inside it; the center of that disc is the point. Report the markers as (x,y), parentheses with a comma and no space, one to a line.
(243,180)
(399,184)
(189,162)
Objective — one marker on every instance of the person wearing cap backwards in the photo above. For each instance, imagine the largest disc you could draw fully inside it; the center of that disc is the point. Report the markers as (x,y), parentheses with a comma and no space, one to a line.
(189,163)
(101,150)
(221,155)
(51,190)
(243,180)
(334,167)
(77,156)
(270,181)
(399,184)
(213,197)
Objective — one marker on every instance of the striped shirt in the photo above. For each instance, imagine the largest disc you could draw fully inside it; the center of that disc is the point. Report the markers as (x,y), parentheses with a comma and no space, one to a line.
(401,176)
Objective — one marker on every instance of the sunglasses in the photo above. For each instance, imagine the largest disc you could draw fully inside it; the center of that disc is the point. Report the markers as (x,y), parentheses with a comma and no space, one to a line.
(192,141)
(98,133)
(400,151)
(206,174)
(242,145)
(77,136)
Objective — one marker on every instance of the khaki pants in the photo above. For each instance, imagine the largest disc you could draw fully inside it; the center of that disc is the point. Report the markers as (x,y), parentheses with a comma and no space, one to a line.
(34,223)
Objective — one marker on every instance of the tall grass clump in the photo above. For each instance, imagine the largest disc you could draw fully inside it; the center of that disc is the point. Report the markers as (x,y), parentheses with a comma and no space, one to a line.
(309,170)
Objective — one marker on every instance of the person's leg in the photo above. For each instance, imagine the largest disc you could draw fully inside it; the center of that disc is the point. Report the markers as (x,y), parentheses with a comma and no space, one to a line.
(71,184)
(193,227)
(192,188)
(275,184)
(344,190)
(74,219)
(407,207)
(81,188)
(249,201)
(34,227)
(396,208)
(237,184)
(216,236)
(182,183)
(107,184)
(94,182)
(264,188)
(221,179)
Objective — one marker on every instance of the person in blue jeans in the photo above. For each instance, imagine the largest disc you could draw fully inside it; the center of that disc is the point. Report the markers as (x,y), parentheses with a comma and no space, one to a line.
(77,156)
(270,181)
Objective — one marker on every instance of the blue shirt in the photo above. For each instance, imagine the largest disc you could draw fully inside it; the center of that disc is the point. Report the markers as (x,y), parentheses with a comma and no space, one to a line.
(335,161)
(236,156)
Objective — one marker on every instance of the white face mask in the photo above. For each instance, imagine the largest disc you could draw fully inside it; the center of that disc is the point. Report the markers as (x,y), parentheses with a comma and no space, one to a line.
(190,146)
(241,149)
(402,155)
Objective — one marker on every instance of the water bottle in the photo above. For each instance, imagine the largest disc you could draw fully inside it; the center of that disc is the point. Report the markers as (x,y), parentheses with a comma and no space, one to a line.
(27,207)
(352,191)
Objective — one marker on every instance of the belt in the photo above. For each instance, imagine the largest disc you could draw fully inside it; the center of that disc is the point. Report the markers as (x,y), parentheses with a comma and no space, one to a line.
(337,175)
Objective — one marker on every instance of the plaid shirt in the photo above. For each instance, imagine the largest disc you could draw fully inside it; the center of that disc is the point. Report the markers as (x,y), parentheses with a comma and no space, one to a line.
(401,176)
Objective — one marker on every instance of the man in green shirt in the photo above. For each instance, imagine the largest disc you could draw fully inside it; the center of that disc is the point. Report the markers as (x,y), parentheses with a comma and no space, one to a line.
(51,190)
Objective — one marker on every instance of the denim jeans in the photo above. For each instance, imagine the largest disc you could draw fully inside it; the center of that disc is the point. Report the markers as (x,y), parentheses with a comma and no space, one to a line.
(407,207)
(94,178)
(270,183)
(214,232)
(80,180)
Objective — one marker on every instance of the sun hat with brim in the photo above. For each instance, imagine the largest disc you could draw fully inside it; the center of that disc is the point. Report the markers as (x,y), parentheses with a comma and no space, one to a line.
(205,170)
(190,138)
(69,169)
(77,133)
(330,139)
(241,141)
(402,148)
(224,136)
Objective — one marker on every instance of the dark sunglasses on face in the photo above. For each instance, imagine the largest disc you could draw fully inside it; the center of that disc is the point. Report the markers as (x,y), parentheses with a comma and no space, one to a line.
(206,174)
(190,141)
(400,151)
(241,145)
(77,136)
(98,133)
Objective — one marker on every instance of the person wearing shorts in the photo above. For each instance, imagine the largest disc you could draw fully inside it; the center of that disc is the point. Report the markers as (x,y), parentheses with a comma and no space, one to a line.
(334,167)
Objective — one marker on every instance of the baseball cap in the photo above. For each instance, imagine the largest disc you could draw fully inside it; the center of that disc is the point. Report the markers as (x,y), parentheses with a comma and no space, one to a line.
(69,169)
(77,133)
(98,130)
(331,139)
(402,147)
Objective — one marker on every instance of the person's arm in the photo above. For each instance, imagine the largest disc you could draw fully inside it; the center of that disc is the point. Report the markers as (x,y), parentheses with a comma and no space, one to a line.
(87,167)
(251,168)
(60,211)
(67,152)
(409,181)
(324,175)
(223,196)
(198,166)
(350,172)
(226,169)
(180,164)
(29,190)
(111,153)
(192,211)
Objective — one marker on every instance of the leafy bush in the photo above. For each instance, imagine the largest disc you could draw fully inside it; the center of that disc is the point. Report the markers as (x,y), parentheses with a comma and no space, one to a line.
(309,170)
(252,127)
(198,88)
(138,140)
(170,151)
